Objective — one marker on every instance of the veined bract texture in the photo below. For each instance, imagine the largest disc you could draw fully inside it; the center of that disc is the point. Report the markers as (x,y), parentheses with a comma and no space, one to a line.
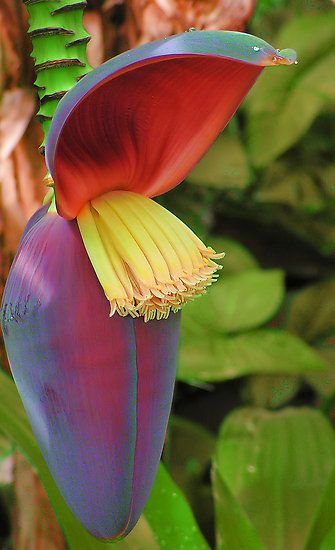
(90,319)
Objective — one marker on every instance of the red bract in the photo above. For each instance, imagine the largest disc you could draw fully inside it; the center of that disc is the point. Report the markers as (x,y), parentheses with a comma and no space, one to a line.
(143,119)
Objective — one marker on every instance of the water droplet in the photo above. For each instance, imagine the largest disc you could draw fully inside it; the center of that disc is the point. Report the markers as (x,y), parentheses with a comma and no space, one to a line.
(251,469)
(275,59)
(296,62)
(191,29)
(256,48)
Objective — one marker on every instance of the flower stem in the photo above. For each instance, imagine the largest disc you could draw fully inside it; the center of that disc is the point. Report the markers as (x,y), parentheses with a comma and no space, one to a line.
(59,50)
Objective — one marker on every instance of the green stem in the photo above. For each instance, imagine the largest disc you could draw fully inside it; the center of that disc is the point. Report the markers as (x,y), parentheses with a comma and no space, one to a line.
(59,50)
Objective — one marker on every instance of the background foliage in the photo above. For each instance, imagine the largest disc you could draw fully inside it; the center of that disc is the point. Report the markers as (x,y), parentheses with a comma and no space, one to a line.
(249,460)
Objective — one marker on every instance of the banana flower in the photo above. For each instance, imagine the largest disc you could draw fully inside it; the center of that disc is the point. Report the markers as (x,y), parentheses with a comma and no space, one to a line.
(91,309)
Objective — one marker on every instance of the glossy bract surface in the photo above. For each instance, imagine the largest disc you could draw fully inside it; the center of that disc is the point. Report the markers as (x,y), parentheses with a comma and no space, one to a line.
(144,118)
(97,390)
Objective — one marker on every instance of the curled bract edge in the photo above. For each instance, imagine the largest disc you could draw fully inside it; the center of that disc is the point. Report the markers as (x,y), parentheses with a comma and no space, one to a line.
(142,120)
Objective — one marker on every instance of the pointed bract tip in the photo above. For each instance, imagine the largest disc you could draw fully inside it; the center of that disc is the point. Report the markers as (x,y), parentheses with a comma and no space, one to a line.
(285,57)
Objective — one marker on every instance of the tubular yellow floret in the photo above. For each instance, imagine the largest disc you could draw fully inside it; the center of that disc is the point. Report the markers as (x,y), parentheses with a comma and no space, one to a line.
(148,262)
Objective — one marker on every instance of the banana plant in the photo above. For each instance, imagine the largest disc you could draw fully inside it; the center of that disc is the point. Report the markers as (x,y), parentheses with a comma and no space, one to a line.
(91,309)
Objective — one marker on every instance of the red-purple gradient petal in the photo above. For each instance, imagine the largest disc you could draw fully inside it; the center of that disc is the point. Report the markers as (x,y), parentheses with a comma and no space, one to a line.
(156,345)
(143,119)
(82,377)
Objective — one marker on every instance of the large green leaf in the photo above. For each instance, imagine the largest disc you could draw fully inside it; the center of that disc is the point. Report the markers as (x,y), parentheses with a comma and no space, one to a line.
(237,302)
(160,514)
(224,166)
(170,517)
(189,449)
(324,381)
(312,313)
(324,520)
(265,6)
(270,391)
(187,455)
(285,102)
(237,257)
(298,187)
(234,530)
(317,229)
(329,542)
(209,357)
(277,465)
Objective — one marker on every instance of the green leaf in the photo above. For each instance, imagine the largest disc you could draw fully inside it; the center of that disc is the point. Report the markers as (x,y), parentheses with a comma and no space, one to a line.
(6,447)
(187,455)
(324,381)
(312,314)
(316,228)
(270,391)
(238,257)
(189,449)
(285,103)
(329,541)
(324,521)
(147,535)
(238,302)
(214,358)
(292,186)
(234,531)
(224,166)
(266,6)
(170,516)
(277,465)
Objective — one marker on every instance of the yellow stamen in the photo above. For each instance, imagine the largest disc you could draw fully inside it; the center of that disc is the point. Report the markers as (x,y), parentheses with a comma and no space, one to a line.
(148,262)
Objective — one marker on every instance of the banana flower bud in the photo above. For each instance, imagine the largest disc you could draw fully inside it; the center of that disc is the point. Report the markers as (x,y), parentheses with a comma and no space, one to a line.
(90,312)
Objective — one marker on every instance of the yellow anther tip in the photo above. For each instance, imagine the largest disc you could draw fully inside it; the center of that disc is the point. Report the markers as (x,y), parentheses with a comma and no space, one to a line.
(148,262)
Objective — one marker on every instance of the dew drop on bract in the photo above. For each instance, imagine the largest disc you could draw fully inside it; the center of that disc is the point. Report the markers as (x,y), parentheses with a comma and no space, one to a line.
(191,29)
(256,48)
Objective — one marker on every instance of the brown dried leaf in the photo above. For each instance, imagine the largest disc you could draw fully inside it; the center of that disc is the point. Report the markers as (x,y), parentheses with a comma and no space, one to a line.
(12,220)
(108,4)
(31,169)
(21,188)
(95,48)
(35,522)
(153,19)
(16,109)
(15,43)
